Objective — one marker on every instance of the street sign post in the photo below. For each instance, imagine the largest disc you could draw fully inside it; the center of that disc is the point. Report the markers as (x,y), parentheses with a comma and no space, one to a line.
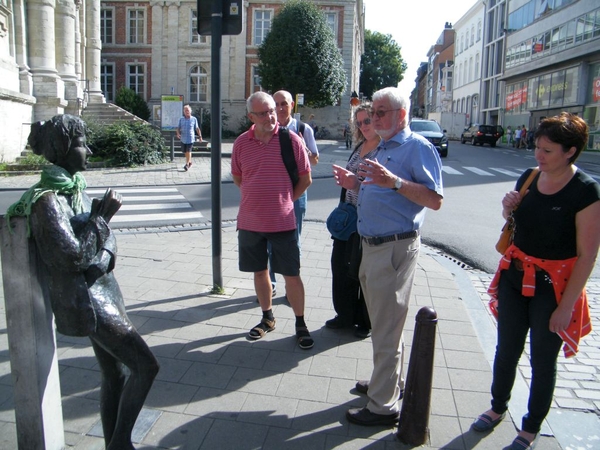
(216,18)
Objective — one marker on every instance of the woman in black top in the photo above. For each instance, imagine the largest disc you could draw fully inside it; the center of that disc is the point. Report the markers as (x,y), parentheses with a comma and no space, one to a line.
(540,285)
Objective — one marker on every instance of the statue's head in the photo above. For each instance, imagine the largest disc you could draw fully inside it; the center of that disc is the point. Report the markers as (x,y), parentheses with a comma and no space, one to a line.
(62,141)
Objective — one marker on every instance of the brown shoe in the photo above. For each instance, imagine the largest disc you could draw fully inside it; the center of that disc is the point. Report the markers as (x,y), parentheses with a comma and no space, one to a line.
(362,416)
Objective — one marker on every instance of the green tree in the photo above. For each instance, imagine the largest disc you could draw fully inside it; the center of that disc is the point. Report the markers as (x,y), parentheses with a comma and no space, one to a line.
(130,101)
(300,55)
(381,64)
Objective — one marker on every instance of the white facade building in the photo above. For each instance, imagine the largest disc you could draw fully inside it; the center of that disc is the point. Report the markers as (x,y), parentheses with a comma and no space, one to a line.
(49,64)
(468,50)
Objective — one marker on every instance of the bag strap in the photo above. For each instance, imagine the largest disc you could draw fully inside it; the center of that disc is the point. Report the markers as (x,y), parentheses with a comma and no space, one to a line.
(343,193)
(287,154)
(528,181)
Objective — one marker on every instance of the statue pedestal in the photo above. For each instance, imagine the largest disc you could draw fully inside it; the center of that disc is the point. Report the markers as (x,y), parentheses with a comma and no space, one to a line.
(31,343)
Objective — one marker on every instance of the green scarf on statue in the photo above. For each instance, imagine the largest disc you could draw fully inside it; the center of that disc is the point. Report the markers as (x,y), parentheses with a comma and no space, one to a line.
(54,179)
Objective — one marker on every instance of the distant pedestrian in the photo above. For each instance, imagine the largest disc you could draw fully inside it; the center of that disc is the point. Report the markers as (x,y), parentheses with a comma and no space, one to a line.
(538,292)
(186,130)
(348,133)
(509,134)
(517,141)
(523,142)
(266,215)
(313,123)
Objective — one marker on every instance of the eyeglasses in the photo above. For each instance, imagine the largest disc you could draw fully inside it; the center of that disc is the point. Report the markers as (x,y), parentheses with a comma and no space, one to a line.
(359,123)
(263,114)
(383,112)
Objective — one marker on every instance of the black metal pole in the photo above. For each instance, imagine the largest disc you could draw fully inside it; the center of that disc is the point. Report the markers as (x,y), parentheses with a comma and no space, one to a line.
(215,140)
(414,416)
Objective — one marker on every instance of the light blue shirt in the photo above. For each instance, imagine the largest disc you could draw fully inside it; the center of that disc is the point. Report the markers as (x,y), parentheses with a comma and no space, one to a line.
(308,135)
(383,211)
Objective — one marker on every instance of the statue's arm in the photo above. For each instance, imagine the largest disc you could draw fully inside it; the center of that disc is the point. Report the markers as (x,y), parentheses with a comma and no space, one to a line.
(58,243)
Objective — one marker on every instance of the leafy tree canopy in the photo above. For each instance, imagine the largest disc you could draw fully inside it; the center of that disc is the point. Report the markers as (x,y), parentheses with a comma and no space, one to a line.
(300,55)
(381,64)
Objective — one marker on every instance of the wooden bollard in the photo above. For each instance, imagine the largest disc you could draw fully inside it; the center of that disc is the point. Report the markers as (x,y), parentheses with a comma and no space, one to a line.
(414,416)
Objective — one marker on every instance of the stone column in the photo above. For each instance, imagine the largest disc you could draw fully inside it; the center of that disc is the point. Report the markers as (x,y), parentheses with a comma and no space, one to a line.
(174,68)
(93,47)
(25,78)
(158,70)
(31,343)
(64,23)
(48,88)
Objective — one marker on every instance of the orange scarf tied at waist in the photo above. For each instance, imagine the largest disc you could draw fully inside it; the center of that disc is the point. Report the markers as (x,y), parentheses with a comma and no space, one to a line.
(560,272)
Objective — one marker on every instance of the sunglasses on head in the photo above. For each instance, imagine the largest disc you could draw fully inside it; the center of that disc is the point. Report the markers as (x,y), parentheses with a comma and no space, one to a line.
(360,123)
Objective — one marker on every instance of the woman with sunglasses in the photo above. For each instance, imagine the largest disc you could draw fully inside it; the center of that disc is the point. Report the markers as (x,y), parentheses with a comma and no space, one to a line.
(348,300)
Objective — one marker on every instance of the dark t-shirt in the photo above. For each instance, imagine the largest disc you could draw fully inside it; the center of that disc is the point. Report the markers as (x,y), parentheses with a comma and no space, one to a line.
(545,224)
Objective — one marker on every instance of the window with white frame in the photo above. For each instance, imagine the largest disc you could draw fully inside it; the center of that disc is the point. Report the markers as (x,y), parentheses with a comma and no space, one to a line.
(477,75)
(136,79)
(462,42)
(256,86)
(107,81)
(136,26)
(470,74)
(196,38)
(198,86)
(331,19)
(106,26)
(262,25)
(472,35)
(478,31)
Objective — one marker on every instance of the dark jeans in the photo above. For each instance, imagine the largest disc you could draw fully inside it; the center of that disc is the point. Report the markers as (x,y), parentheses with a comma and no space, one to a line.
(347,296)
(518,315)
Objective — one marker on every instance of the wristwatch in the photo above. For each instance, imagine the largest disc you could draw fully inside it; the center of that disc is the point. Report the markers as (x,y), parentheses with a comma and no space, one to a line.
(397,184)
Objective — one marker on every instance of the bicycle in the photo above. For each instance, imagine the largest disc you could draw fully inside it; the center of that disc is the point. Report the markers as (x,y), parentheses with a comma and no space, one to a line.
(322,133)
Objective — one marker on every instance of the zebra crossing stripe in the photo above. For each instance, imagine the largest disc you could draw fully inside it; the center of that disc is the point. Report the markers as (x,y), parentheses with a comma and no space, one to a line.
(510,173)
(479,171)
(451,171)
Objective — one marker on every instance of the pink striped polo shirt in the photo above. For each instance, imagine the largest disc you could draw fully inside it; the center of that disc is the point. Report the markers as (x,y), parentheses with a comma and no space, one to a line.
(266,189)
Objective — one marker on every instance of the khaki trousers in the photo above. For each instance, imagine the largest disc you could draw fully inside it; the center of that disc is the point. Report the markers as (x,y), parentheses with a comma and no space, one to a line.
(386,275)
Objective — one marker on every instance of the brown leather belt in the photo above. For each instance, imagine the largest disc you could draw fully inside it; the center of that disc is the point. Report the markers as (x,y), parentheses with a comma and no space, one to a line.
(519,265)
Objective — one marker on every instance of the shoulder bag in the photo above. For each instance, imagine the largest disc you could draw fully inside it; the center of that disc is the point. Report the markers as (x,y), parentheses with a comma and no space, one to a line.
(507,234)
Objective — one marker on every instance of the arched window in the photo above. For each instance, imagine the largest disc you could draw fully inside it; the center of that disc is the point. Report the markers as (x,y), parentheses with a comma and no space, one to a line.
(478,31)
(472,35)
(198,84)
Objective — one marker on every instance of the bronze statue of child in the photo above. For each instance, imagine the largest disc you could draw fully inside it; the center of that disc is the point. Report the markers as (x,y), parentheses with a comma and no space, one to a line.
(78,252)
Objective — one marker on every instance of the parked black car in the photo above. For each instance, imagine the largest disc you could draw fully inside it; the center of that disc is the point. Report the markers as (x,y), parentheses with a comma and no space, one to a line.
(431,130)
(482,134)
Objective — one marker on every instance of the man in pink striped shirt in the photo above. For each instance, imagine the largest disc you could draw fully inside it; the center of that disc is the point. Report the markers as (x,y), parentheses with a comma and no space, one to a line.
(266,213)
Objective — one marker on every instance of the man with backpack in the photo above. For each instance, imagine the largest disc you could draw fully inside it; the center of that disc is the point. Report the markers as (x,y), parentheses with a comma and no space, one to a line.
(269,185)
(284,106)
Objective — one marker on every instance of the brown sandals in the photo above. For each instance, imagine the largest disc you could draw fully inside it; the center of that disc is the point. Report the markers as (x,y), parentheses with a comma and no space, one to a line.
(265,326)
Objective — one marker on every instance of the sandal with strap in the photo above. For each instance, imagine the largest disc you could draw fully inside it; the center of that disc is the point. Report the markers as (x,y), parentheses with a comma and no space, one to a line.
(304,340)
(259,331)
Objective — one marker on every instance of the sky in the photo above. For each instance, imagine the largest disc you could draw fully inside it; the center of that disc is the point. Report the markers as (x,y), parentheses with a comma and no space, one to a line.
(415,25)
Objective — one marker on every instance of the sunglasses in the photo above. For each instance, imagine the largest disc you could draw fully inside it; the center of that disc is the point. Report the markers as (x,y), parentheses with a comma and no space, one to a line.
(383,112)
(359,123)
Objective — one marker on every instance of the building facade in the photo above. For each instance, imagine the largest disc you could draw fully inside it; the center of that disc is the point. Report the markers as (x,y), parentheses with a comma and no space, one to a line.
(153,48)
(552,62)
(468,50)
(49,64)
(440,57)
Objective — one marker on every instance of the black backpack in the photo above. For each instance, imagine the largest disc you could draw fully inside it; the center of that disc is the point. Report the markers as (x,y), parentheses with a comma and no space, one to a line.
(287,152)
